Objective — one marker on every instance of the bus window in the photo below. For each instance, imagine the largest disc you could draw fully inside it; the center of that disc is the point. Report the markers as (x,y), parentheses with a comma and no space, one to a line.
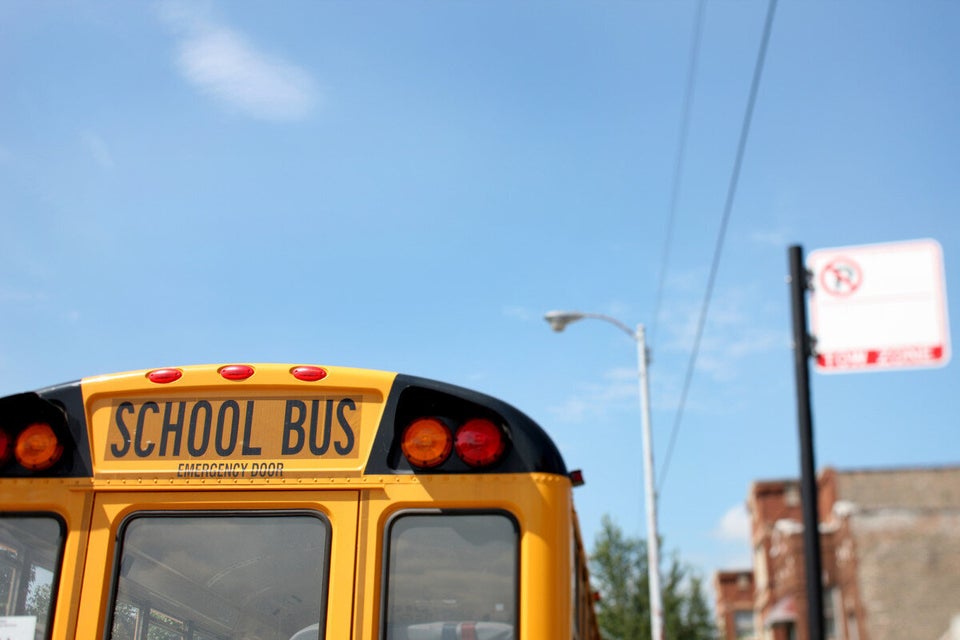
(452,575)
(212,576)
(29,565)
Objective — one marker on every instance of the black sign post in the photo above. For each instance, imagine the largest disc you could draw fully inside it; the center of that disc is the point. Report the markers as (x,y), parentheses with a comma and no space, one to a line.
(808,474)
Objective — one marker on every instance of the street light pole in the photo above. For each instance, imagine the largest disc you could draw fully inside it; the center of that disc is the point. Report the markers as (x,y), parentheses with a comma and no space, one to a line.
(653,542)
(558,321)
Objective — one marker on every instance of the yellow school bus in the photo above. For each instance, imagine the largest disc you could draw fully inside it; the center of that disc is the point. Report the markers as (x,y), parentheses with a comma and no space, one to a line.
(283,502)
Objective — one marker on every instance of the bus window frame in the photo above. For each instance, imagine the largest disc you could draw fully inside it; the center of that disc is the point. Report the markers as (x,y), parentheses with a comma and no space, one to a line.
(447,511)
(114,574)
(58,558)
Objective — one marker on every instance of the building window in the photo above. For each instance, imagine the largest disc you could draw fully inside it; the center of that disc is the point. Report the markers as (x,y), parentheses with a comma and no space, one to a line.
(829,617)
(791,495)
(743,624)
(853,633)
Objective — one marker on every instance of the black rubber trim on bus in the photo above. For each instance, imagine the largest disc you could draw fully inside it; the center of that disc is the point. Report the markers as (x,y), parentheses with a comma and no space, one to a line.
(62,406)
(69,397)
(529,447)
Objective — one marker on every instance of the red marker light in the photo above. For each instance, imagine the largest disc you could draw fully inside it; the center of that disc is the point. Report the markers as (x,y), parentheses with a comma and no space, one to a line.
(236,371)
(576,478)
(480,443)
(164,376)
(309,373)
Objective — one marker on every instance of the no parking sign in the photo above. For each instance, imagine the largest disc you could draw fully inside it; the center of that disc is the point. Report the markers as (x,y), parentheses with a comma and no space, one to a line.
(880,306)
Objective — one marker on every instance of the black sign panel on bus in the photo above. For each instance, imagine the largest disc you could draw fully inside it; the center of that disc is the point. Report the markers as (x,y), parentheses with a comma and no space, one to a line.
(234,428)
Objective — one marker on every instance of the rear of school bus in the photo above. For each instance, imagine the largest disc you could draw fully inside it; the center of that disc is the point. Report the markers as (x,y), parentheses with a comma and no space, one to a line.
(277,502)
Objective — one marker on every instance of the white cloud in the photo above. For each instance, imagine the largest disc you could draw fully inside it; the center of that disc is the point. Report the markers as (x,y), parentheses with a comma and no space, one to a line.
(226,66)
(14,296)
(733,531)
(759,340)
(520,313)
(619,389)
(574,409)
(779,238)
(734,332)
(734,525)
(98,149)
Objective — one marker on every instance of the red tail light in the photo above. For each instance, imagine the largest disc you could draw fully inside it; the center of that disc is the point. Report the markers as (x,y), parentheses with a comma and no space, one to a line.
(480,443)
(5,448)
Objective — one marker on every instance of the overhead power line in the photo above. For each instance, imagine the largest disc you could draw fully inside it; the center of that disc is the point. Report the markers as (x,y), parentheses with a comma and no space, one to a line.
(678,164)
(721,236)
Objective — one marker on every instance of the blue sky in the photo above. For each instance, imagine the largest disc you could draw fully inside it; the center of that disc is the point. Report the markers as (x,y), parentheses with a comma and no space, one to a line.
(410,185)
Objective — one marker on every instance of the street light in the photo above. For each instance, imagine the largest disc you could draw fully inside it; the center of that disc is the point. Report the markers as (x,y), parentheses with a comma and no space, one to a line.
(558,322)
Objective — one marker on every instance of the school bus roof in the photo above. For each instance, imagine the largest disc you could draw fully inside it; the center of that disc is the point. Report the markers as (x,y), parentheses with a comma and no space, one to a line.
(264,423)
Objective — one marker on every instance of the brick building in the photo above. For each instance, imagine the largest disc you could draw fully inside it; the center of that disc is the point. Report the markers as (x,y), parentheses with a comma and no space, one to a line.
(890,547)
(734,591)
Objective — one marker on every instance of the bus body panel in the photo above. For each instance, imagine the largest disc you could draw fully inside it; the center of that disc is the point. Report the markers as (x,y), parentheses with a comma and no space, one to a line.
(540,504)
(127,414)
(70,501)
(256,442)
(112,509)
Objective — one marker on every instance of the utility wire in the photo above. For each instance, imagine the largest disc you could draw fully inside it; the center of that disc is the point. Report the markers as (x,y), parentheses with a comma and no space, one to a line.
(721,235)
(678,165)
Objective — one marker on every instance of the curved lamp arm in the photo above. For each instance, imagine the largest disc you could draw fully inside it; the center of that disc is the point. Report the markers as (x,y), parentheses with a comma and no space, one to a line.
(560,319)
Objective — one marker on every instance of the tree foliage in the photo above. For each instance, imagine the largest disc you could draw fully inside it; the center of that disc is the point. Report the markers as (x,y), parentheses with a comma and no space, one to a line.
(619,572)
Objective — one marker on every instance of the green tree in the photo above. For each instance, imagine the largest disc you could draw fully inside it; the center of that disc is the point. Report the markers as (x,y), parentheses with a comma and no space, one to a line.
(618,568)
